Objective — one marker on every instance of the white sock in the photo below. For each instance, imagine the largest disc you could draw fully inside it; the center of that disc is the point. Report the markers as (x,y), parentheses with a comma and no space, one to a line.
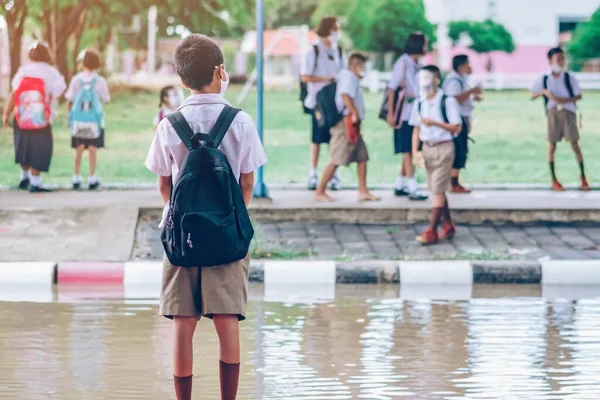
(400,182)
(92,179)
(24,174)
(36,181)
(411,184)
(314,172)
(76,178)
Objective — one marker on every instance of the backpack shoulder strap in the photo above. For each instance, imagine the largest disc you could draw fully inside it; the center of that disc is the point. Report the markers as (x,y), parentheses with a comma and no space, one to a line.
(545,85)
(341,55)
(183,130)
(568,84)
(443,109)
(316,50)
(218,132)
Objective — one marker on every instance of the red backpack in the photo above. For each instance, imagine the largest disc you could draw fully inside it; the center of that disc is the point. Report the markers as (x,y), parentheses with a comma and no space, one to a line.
(32,110)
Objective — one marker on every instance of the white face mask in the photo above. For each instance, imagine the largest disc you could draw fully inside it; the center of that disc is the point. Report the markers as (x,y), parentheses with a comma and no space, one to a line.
(335,37)
(174,100)
(426,85)
(224,84)
(361,73)
(556,68)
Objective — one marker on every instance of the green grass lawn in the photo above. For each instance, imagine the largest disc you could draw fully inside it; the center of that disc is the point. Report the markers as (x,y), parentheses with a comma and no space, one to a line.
(509,130)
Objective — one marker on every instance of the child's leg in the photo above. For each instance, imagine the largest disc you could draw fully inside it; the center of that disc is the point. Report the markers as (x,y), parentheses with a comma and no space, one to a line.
(227,327)
(327,175)
(93,160)
(183,355)
(579,156)
(315,150)
(446,218)
(363,190)
(77,159)
(551,151)
(407,165)
(439,203)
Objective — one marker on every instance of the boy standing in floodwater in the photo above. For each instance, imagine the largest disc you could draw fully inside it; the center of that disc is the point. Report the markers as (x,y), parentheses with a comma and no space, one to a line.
(220,292)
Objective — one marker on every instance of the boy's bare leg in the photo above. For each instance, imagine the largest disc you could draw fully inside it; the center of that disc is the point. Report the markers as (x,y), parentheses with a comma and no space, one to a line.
(584,183)
(227,327)
(328,173)
(183,355)
(407,165)
(363,190)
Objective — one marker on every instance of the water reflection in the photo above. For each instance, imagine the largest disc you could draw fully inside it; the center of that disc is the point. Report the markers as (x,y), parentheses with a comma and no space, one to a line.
(358,346)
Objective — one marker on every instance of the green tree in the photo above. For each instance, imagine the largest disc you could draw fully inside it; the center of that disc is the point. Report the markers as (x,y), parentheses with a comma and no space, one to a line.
(15,14)
(337,8)
(585,42)
(485,36)
(384,25)
(280,13)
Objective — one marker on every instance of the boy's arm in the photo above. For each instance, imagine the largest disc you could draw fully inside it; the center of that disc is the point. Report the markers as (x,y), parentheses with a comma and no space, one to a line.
(349,103)
(164,187)
(450,127)
(415,139)
(247,186)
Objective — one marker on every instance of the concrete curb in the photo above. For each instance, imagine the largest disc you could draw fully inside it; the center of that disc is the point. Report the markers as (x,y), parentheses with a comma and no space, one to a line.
(276,272)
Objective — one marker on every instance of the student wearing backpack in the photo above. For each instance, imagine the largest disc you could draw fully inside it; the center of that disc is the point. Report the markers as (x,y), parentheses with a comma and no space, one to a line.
(561,92)
(170,99)
(456,85)
(322,63)
(347,145)
(85,96)
(202,217)
(36,89)
(402,88)
(437,123)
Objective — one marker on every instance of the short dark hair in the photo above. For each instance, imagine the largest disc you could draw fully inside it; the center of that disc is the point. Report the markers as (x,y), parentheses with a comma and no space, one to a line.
(196,57)
(164,92)
(325,26)
(40,52)
(459,60)
(433,69)
(415,43)
(357,57)
(553,51)
(91,59)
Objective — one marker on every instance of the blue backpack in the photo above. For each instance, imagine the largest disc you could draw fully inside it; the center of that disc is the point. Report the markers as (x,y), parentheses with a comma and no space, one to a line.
(86,117)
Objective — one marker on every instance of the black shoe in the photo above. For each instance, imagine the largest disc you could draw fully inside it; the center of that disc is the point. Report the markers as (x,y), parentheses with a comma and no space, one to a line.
(39,189)
(24,184)
(417,196)
(400,192)
(94,186)
(76,185)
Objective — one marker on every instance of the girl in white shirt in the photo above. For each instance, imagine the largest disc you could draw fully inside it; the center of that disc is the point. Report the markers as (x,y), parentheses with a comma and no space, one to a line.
(170,100)
(34,115)
(90,61)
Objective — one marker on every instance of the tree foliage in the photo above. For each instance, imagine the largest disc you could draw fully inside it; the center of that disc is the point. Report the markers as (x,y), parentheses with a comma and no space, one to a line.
(585,43)
(486,36)
(384,25)
(338,8)
(280,13)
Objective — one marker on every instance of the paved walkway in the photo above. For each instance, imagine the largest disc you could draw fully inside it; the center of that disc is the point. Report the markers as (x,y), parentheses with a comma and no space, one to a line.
(397,242)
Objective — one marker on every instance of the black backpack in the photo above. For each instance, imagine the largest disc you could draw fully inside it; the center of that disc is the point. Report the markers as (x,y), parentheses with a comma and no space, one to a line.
(304,87)
(208,223)
(567,84)
(326,111)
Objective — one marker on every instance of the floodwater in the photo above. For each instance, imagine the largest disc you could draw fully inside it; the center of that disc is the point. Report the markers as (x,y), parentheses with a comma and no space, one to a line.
(364,344)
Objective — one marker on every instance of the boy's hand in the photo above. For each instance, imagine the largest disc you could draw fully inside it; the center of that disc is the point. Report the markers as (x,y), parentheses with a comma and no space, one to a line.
(478,98)
(390,120)
(418,159)
(549,94)
(476,90)
(5,120)
(428,122)
(354,118)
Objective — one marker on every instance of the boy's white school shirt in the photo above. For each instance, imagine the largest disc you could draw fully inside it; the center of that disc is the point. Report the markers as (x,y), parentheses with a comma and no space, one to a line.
(557,87)
(453,87)
(241,145)
(432,109)
(87,77)
(348,83)
(54,81)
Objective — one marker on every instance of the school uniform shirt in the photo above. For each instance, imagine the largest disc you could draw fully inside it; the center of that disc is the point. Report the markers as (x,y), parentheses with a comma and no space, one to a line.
(456,84)
(404,75)
(163,113)
(556,85)
(241,145)
(54,81)
(328,65)
(86,77)
(432,109)
(348,83)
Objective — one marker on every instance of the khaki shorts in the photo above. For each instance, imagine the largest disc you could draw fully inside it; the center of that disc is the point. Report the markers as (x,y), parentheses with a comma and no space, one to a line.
(438,164)
(562,125)
(203,292)
(342,152)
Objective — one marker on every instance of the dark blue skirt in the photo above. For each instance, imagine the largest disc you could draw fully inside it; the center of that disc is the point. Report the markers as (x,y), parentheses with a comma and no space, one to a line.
(33,148)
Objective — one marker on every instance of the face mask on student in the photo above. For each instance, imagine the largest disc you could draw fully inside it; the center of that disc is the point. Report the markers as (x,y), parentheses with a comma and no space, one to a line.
(426,84)
(556,68)
(335,37)
(174,100)
(224,84)
(361,73)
